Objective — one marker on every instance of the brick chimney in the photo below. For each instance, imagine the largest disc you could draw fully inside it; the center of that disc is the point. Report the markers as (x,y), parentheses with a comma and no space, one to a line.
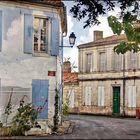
(67,67)
(97,35)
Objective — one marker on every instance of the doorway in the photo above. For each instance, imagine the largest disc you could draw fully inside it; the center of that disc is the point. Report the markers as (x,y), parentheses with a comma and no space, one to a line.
(116,100)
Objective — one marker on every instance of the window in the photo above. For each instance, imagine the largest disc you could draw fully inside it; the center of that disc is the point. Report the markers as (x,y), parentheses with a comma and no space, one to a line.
(87,98)
(133,57)
(102,61)
(89,62)
(101,96)
(132,96)
(40,34)
(117,62)
(71,98)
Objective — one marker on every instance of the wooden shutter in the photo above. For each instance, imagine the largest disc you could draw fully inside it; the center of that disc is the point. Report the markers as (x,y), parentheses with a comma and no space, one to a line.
(129,96)
(89,95)
(99,95)
(92,97)
(71,98)
(40,97)
(134,96)
(86,96)
(28,33)
(102,96)
(0,30)
(83,98)
(55,37)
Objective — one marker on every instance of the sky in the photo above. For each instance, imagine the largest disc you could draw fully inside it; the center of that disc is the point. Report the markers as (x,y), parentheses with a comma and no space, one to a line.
(82,35)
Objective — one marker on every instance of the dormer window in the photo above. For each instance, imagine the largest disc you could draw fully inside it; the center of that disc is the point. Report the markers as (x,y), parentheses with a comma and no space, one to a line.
(40,34)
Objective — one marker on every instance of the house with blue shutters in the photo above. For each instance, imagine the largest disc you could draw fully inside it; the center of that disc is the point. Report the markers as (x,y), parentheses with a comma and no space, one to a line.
(30,35)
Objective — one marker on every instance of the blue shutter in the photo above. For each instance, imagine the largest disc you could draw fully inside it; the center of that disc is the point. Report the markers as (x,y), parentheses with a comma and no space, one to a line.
(0,30)
(40,96)
(28,33)
(55,37)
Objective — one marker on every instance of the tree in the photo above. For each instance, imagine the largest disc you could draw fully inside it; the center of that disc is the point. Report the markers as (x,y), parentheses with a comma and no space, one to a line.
(131,28)
(92,9)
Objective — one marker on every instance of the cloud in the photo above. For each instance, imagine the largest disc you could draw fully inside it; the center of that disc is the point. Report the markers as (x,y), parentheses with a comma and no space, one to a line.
(103,26)
(84,35)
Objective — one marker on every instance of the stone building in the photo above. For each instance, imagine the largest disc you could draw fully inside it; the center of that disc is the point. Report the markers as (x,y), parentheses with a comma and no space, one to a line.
(109,82)
(30,35)
(71,92)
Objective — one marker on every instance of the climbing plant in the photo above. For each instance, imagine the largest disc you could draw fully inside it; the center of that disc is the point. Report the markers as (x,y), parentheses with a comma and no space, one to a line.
(8,108)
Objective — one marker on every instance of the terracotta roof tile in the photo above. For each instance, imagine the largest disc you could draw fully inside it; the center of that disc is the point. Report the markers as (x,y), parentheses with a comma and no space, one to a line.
(70,77)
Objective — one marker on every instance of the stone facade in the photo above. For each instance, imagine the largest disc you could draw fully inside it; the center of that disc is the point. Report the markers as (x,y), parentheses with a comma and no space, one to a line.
(108,83)
(71,90)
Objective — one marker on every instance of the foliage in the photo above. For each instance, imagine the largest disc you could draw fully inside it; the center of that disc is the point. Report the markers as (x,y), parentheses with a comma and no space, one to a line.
(65,109)
(56,116)
(8,109)
(1,124)
(24,119)
(90,10)
(132,33)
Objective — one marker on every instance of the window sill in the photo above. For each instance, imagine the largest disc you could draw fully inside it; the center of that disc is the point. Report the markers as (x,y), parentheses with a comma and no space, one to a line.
(40,54)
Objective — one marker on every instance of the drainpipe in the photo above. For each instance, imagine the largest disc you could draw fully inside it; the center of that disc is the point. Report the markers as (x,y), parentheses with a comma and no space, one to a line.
(123,113)
(62,82)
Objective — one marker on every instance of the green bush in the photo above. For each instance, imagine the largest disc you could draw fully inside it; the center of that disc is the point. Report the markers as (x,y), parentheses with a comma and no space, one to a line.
(65,109)
(24,119)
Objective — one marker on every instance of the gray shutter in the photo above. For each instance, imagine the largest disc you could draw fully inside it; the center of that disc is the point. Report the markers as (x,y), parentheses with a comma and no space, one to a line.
(134,97)
(99,95)
(102,96)
(84,93)
(28,33)
(129,96)
(0,30)
(55,37)
(86,96)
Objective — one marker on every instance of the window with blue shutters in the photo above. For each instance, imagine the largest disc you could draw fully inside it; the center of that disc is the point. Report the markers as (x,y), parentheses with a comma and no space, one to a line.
(41,35)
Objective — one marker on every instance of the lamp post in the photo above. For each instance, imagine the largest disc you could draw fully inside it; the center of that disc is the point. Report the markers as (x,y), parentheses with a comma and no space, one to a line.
(72,39)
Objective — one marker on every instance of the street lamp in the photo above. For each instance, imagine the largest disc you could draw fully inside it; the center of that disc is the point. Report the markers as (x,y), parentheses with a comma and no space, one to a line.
(72,39)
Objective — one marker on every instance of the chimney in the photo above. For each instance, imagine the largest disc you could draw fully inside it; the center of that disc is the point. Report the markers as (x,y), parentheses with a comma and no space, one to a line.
(98,35)
(67,67)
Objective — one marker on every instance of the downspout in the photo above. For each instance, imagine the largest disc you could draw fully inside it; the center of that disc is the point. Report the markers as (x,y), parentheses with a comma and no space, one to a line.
(62,81)
(123,113)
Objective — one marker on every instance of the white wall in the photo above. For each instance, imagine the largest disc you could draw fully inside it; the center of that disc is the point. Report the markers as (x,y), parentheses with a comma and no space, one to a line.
(17,68)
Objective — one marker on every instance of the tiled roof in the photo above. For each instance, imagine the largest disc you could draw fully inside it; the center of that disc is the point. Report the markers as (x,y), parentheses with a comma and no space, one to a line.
(105,41)
(70,77)
(43,2)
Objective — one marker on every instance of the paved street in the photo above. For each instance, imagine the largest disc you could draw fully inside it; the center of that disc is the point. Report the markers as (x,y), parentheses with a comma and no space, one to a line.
(94,127)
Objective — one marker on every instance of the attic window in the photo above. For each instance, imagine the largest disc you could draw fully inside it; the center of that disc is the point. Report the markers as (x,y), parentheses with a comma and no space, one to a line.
(40,34)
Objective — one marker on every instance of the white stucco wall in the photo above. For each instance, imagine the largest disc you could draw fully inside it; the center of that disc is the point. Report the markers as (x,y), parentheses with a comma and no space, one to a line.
(18,68)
